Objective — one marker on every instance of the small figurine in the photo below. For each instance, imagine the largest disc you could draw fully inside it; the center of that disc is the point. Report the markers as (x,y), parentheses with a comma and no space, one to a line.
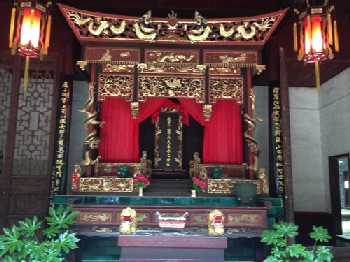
(215,223)
(128,221)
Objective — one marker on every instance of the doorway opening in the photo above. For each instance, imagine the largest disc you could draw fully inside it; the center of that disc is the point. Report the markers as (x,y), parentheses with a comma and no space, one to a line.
(340,194)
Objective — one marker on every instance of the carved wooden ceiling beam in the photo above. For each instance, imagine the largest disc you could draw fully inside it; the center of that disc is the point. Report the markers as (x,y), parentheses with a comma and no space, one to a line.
(100,27)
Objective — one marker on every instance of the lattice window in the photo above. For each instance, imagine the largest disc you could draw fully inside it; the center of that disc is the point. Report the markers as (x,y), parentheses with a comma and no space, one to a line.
(34,117)
(5,90)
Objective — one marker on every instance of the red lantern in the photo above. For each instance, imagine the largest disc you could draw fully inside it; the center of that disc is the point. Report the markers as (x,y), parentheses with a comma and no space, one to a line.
(30,31)
(316,35)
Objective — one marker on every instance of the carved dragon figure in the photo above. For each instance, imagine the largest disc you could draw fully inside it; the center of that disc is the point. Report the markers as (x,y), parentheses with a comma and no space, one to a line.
(201,31)
(253,144)
(245,31)
(173,58)
(96,26)
(87,161)
(144,28)
(90,116)
(91,119)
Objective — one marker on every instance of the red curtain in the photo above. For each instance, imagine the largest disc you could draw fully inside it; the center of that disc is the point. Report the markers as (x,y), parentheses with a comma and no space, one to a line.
(149,107)
(119,142)
(170,104)
(194,109)
(223,140)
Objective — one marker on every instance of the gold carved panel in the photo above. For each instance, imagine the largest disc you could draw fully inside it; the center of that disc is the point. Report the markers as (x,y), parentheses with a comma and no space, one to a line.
(95,217)
(111,55)
(106,184)
(223,186)
(172,86)
(245,220)
(118,68)
(224,70)
(218,58)
(115,85)
(175,56)
(225,88)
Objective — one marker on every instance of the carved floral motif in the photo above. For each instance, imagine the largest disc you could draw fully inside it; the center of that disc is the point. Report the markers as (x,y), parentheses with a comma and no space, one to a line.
(225,88)
(115,85)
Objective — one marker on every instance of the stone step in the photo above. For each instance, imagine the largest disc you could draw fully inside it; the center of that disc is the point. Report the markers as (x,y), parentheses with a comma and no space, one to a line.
(169,187)
(162,174)
(173,182)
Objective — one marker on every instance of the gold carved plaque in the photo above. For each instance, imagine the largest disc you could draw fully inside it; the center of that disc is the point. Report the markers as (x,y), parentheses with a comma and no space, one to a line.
(244,219)
(106,184)
(223,186)
(87,217)
(173,86)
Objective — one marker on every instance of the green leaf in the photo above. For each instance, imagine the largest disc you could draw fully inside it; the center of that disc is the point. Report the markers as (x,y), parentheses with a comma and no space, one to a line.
(320,234)
(29,227)
(281,251)
(19,244)
(324,254)
(270,237)
(308,256)
(286,229)
(295,250)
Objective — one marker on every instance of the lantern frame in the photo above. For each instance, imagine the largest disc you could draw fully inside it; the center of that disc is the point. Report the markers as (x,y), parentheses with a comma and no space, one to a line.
(315,32)
(307,19)
(39,17)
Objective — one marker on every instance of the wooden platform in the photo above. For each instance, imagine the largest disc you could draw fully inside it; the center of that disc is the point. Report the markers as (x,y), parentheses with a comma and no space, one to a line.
(142,248)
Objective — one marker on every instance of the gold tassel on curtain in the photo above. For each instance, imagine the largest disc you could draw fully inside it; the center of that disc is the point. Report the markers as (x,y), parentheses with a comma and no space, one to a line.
(26,69)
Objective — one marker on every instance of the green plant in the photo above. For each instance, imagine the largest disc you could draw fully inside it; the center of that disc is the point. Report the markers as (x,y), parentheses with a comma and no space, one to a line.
(22,243)
(283,252)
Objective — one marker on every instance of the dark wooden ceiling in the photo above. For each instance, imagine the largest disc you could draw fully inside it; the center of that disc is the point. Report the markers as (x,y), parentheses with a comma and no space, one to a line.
(300,74)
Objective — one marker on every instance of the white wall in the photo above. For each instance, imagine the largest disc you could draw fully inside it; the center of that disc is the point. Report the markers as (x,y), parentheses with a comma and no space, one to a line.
(320,127)
(308,183)
(334,104)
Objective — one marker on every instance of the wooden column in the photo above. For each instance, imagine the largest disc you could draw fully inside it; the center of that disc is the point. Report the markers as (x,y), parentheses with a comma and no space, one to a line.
(287,158)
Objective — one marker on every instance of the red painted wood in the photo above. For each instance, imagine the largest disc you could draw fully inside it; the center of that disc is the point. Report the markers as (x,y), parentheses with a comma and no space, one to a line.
(172,241)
